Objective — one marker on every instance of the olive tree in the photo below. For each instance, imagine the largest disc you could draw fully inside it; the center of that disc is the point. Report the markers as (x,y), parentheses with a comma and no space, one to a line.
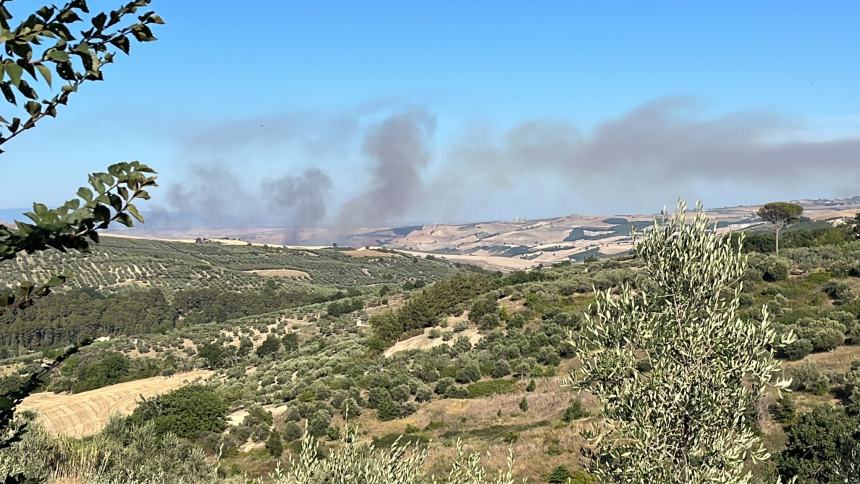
(685,416)
(780,214)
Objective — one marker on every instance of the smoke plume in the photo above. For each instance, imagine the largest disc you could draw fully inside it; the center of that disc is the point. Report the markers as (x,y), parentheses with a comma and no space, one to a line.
(398,150)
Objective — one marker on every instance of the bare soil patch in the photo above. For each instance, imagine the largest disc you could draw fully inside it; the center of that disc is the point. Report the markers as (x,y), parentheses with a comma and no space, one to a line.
(425,342)
(291,273)
(369,253)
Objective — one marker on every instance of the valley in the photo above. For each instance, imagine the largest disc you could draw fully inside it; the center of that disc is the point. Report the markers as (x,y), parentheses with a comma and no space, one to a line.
(400,346)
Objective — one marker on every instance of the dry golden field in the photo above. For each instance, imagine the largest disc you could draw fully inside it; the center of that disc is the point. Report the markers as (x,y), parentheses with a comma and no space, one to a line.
(291,273)
(86,413)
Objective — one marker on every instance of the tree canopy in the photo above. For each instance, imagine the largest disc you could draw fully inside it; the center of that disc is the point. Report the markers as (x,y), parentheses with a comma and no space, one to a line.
(683,416)
(780,214)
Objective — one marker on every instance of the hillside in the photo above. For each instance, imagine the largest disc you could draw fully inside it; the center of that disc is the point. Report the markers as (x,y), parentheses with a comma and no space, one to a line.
(506,245)
(467,349)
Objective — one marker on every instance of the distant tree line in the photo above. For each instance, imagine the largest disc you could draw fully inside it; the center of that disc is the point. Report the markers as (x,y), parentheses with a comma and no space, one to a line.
(804,234)
(67,317)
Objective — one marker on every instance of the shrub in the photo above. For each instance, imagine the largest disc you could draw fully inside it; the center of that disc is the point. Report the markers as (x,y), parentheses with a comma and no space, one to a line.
(501,369)
(772,268)
(784,410)
(274,445)
(839,292)
(269,346)
(796,350)
(574,411)
(291,431)
(559,475)
(822,447)
(808,378)
(491,387)
(187,412)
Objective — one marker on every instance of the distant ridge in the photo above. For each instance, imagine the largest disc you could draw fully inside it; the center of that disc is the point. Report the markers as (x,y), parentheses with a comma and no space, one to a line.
(510,244)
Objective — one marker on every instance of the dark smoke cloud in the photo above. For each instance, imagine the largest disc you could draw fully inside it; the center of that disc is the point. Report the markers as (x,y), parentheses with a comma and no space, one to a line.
(654,153)
(637,162)
(209,197)
(398,150)
(214,197)
(297,201)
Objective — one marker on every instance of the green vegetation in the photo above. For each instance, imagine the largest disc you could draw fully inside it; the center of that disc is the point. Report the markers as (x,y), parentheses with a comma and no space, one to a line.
(122,452)
(187,412)
(298,354)
(684,419)
(780,214)
(491,387)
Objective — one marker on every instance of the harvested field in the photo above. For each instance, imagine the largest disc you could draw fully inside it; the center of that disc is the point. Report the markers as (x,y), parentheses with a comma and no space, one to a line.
(82,414)
(489,262)
(369,253)
(291,273)
(425,342)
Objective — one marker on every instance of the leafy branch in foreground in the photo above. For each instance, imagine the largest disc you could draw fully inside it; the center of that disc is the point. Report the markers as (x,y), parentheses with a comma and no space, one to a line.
(43,45)
(74,224)
(685,415)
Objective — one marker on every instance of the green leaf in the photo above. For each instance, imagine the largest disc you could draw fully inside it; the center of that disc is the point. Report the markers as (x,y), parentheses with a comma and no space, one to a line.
(27,90)
(101,213)
(46,73)
(115,201)
(121,43)
(134,212)
(33,108)
(15,71)
(85,193)
(8,93)
(124,219)
(99,20)
(57,55)
(142,33)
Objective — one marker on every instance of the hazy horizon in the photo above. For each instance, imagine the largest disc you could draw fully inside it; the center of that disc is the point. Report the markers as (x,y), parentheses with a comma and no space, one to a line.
(400,115)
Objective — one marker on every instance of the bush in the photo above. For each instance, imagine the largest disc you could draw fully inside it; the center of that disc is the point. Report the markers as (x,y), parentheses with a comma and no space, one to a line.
(187,412)
(839,292)
(501,369)
(269,346)
(822,447)
(574,411)
(808,378)
(797,350)
(274,445)
(559,475)
(772,268)
(292,431)
(491,387)
(784,410)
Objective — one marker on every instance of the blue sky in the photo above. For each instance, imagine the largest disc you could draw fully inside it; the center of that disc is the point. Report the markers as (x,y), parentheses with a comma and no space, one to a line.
(269,89)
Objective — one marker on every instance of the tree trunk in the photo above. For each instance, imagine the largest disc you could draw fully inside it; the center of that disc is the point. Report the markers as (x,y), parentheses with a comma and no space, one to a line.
(777,240)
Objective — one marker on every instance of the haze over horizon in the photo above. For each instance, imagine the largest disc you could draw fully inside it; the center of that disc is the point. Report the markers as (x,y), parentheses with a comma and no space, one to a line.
(388,114)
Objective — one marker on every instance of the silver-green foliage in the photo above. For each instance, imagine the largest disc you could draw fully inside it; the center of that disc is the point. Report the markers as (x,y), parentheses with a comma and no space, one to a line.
(122,452)
(354,461)
(687,416)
